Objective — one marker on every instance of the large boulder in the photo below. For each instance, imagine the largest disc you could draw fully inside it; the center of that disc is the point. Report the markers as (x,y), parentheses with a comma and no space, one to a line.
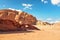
(9,25)
(18,16)
(16,20)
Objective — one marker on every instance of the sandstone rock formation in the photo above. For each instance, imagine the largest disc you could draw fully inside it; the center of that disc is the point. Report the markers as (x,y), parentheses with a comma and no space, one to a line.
(24,18)
(9,25)
(42,23)
(16,20)
(18,16)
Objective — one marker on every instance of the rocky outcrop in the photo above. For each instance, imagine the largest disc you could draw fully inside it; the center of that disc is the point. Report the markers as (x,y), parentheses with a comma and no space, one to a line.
(9,25)
(24,18)
(16,20)
(18,16)
(42,23)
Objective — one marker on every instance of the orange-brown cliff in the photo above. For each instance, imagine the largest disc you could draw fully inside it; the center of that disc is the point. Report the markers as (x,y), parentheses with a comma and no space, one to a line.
(16,20)
(18,16)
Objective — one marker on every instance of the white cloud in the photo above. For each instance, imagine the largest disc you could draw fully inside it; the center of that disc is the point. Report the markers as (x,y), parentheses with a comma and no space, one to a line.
(49,19)
(55,2)
(27,6)
(57,21)
(44,1)
(11,8)
(14,9)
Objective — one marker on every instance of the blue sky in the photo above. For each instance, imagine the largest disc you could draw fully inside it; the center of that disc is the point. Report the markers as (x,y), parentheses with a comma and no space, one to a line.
(41,9)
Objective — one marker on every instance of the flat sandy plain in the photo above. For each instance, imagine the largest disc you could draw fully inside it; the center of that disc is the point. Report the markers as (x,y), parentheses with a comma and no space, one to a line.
(48,34)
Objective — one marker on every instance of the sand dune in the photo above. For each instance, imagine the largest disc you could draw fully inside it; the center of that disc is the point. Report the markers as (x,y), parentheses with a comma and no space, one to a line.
(47,34)
(37,35)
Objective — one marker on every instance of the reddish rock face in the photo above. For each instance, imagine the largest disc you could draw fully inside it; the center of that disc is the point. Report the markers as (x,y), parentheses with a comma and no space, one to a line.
(14,20)
(25,18)
(8,14)
(8,25)
(18,16)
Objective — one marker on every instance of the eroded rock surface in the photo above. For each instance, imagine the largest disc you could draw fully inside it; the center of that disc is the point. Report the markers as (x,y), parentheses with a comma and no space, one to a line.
(16,20)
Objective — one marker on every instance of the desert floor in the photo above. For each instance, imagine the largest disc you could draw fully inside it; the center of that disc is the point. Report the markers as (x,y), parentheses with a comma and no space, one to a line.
(34,35)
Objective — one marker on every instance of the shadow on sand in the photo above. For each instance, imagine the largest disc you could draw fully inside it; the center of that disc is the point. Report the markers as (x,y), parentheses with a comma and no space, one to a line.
(11,32)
